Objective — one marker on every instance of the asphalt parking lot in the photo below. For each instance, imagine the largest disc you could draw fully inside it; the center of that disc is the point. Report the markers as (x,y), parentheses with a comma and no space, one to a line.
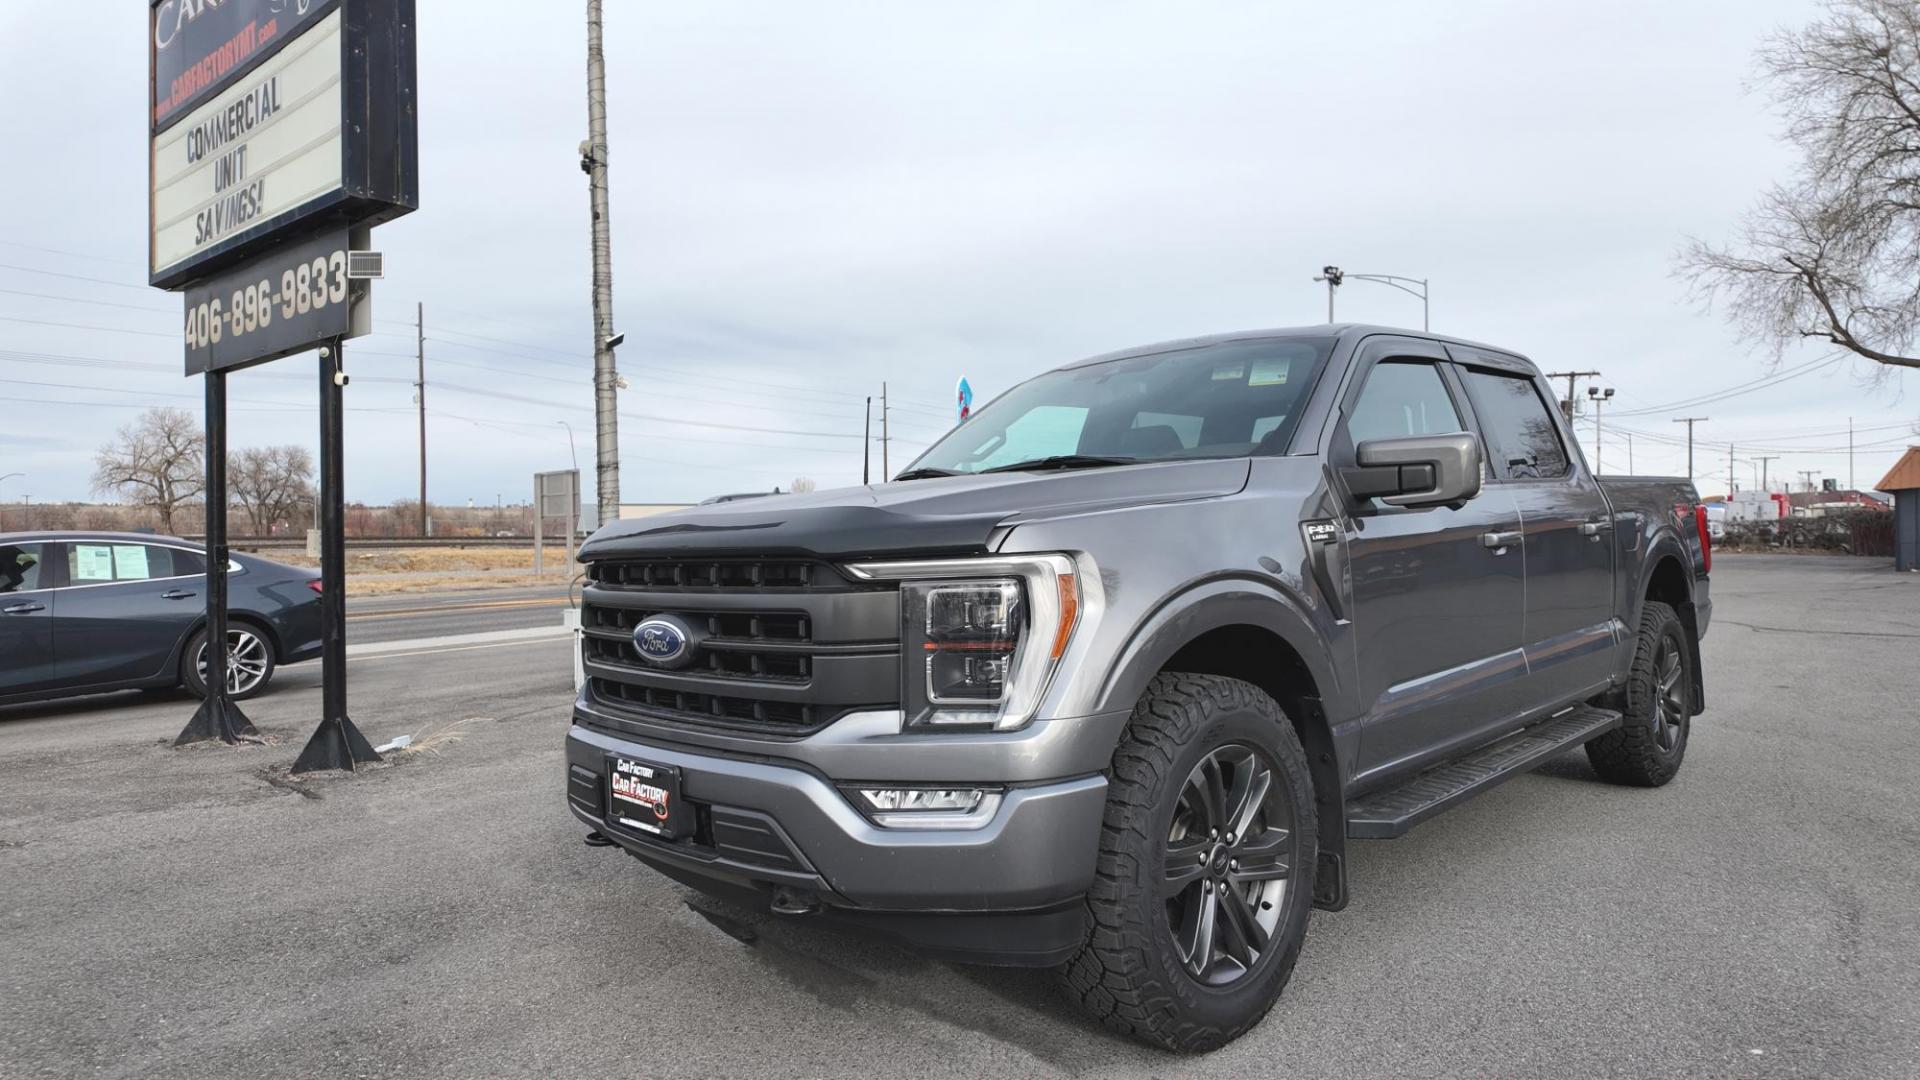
(190,913)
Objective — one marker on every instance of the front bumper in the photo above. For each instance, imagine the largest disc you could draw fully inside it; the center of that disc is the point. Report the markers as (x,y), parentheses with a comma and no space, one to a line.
(1005,892)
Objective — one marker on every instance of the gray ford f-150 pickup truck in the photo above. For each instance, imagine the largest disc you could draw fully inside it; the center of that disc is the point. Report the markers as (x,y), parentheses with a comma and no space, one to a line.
(1110,676)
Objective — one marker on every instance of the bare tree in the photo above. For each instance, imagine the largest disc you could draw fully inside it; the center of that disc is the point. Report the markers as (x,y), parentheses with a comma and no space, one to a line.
(157,462)
(1834,254)
(271,483)
(803,484)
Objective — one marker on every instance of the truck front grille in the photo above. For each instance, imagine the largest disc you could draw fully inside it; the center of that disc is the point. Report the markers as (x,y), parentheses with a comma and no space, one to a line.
(786,647)
(716,574)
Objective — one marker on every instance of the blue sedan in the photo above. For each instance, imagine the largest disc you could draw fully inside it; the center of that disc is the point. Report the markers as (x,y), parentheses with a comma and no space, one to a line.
(85,612)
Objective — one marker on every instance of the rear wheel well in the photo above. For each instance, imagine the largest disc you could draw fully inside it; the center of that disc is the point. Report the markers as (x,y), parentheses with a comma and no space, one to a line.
(1668,584)
(1259,656)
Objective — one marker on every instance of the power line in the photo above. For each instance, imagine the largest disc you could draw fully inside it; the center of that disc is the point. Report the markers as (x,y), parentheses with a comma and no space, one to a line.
(80,300)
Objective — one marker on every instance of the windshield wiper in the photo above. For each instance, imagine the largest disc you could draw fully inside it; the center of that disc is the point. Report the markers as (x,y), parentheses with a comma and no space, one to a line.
(1064,461)
(924,473)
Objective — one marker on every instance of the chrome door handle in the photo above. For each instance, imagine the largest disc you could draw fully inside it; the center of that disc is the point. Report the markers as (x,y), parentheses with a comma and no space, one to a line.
(1497,540)
(176,594)
(24,609)
(1595,528)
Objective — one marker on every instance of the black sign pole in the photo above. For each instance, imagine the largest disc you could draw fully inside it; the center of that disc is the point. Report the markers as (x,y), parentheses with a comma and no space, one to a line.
(218,716)
(336,743)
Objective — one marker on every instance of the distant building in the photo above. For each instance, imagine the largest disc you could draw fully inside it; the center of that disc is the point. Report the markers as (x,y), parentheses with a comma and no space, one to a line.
(1904,482)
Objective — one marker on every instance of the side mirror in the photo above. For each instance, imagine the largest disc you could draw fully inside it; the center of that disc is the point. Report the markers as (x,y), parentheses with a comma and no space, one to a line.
(1420,470)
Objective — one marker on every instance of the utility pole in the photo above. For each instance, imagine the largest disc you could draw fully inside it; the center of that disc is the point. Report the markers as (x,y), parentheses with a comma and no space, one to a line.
(1808,475)
(1571,376)
(886,470)
(420,395)
(1730,471)
(593,159)
(1629,455)
(1763,459)
(866,447)
(1850,486)
(1690,421)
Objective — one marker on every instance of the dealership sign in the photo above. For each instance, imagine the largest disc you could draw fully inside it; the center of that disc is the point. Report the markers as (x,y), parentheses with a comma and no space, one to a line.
(272,120)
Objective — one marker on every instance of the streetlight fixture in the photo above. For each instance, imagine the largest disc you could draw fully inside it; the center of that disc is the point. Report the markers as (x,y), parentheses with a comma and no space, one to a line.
(1405,285)
(1333,276)
(1599,397)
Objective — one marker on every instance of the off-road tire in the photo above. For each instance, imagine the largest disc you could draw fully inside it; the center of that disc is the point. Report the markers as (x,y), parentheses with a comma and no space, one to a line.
(1632,754)
(1129,975)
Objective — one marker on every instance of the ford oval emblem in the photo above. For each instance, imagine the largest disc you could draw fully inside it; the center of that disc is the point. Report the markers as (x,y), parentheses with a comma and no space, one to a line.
(664,640)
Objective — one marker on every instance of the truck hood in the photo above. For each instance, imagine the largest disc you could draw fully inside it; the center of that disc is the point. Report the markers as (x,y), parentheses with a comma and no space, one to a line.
(950,515)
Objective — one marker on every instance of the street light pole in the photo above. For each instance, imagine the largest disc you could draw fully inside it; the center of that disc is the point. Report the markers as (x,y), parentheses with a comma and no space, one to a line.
(1333,276)
(1599,397)
(570,450)
(1405,285)
(11,475)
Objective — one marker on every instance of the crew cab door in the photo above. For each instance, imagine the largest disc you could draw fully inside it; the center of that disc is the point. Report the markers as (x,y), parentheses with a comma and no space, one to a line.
(26,619)
(1570,625)
(1436,590)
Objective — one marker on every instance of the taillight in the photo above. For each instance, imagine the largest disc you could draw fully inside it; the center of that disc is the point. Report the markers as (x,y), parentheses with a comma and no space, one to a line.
(1706,539)
(315,586)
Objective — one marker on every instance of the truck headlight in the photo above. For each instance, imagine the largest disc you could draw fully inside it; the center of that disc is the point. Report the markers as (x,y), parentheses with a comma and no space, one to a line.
(980,638)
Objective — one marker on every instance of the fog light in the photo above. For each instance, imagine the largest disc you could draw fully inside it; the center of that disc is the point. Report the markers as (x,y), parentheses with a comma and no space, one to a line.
(929,808)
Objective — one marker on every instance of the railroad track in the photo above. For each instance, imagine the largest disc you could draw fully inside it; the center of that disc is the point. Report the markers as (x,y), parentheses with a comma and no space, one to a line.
(282,543)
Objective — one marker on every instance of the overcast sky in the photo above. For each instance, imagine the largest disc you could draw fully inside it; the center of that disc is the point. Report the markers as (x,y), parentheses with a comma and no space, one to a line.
(810,199)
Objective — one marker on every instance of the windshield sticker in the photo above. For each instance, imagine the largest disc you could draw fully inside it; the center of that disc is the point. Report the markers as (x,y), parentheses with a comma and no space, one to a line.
(1229,373)
(1268,373)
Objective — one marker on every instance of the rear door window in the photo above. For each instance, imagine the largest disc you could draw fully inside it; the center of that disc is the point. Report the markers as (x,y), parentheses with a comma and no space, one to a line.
(20,569)
(99,563)
(1521,437)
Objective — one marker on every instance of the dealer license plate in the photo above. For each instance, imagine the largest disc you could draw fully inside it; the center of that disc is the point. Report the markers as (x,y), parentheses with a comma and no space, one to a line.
(646,798)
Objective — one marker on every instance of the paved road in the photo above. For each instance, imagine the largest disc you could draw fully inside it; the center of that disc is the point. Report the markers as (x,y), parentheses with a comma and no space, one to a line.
(192,913)
(418,615)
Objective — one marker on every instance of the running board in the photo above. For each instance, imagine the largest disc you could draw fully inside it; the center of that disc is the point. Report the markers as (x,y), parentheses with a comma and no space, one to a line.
(1386,814)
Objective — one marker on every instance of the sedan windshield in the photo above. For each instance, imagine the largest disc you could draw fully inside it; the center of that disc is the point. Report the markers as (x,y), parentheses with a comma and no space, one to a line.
(1232,399)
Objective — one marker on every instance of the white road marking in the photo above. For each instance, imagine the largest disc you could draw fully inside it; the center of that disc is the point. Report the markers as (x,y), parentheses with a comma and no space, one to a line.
(453,648)
(450,642)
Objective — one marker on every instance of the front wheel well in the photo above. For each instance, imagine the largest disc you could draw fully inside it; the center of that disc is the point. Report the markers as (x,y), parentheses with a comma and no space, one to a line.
(1259,656)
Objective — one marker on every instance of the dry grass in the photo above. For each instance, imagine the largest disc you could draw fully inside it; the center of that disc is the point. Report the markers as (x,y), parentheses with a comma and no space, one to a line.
(435,739)
(388,585)
(433,560)
(391,571)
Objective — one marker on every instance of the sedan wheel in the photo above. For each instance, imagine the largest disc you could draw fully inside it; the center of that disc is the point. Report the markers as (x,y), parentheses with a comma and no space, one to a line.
(248,662)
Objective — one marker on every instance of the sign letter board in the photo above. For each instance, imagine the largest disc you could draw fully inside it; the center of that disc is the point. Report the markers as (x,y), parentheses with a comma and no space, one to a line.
(294,298)
(274,119)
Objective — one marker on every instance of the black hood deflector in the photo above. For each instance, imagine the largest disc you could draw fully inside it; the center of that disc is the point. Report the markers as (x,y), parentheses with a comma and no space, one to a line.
(954,515)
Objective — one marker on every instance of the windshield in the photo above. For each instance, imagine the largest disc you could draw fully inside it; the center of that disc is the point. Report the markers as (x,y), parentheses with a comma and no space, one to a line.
(1233,399)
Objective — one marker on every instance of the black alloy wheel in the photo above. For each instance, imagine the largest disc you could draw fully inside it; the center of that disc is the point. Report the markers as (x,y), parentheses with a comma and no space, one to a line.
(1229,854)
